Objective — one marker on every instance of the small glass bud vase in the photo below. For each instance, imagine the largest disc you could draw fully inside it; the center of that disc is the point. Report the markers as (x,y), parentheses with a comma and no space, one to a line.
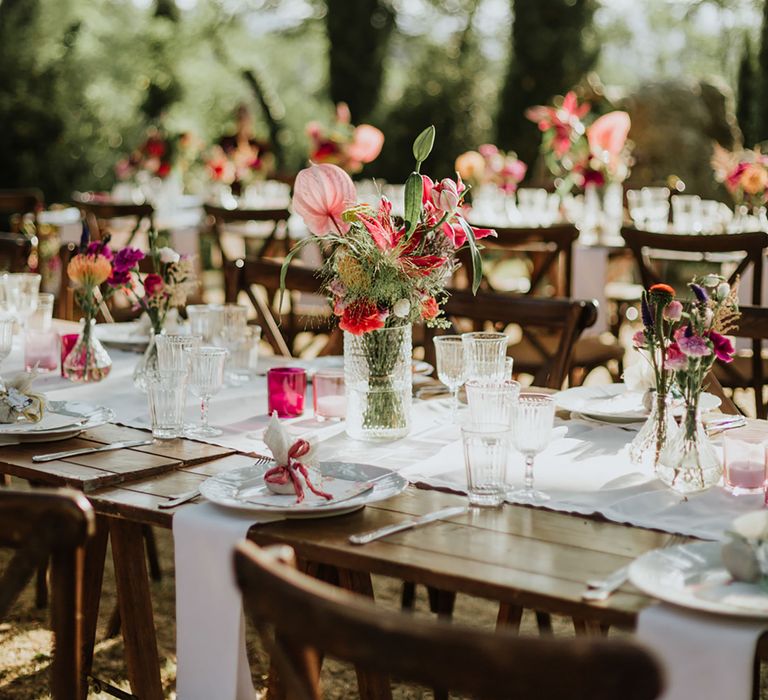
(689,463)
(147,365)
(660,427)
(88,361)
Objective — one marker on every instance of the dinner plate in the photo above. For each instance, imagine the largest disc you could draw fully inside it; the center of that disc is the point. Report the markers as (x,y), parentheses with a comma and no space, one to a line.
(614,404)
(130,335)
(693,576)
(72,418)
(225,489)
(326,362)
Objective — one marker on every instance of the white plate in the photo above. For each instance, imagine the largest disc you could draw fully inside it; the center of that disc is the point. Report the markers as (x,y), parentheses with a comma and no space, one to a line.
(222,489)
(613,403)
(83,417)
(693,576)
(325,362)
(125,336)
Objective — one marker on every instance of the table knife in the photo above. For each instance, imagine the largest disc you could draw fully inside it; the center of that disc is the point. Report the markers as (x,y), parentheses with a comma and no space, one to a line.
(88,450)
(366,537)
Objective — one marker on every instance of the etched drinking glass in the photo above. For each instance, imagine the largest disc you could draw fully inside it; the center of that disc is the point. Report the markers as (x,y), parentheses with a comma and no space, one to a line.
(204,379)
(170,351)
(532,419)
(492,402)
(484,355)
(486,455)
(7,324)
(451,370)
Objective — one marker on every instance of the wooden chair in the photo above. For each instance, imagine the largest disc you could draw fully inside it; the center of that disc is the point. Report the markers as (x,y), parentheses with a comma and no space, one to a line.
(747,370)
(40,524)
(20,202)
(300,618)
(275,244)
(561,320)
(100,216)
(15,249)
(281,329)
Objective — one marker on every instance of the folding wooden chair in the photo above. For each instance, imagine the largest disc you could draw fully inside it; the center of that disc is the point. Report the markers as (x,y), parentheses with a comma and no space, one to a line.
(100,216)
(747,370)
(300,618)
(39,525)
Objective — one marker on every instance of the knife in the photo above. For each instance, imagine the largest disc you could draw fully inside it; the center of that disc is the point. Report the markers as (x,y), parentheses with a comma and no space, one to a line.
(366,537)
(88,450)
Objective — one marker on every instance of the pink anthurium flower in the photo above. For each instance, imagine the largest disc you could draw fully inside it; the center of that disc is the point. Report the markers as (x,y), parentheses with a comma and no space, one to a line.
(366,145)
(608,134)
(321,194)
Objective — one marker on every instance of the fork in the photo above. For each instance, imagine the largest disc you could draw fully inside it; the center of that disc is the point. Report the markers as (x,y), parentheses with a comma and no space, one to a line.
(602,589)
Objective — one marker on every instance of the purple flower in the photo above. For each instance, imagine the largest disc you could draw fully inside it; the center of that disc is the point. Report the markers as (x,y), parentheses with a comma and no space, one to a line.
(646,313)
(694,346)
(722,346)
(699,292)
(99,248)
(125,260)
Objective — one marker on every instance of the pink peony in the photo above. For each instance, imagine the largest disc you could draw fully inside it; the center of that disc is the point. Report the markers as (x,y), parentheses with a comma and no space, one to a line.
(608,134)
(321,194)
(676,360)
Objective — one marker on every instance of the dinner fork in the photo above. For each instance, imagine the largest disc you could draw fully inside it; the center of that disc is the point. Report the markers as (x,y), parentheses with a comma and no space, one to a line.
(602,589)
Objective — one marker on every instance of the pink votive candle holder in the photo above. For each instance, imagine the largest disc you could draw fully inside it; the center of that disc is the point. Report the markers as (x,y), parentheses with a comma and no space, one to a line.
(67,343)
(286,387)
(745,465)
(329,395)
(41,350)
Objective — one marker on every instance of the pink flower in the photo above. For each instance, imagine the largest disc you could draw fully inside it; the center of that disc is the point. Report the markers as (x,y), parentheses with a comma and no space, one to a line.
(445,195)
(722,346)
(676,360)
(608,134)
(638,339)
(153,284)
(694,346)
(343,115)
(673,311)
(321,194)
(488,150)
(366,145)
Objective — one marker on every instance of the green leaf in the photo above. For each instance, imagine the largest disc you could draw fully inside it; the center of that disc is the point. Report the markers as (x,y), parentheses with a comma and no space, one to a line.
(412,203)
(422,146)
(284,269)
(477,261)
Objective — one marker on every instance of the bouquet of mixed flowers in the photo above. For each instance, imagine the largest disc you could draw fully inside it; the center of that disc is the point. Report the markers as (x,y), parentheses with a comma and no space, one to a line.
(350,147)
(490,166)
(580,153)
(153,158)
(744,174)
(241,165)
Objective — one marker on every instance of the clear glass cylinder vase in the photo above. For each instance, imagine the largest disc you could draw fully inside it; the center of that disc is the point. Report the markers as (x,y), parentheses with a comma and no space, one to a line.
(658,429)
(147,365)
(87,361)
(689,463)
(378,378)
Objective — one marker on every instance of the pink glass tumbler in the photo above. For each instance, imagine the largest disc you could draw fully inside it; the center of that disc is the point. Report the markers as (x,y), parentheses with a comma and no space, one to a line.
(744,453)
(328,395)
(286,387)
(67,343)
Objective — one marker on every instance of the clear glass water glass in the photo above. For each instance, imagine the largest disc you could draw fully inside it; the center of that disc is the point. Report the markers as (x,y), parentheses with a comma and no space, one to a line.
(486,456)
(22,291)
(203,321)
(451,368)
(205,378)
(745,460)
(492,402)
(232,323)
(329,397)
(484,356)
(7,324)
(686,213)
(42,318)
(532,419)
(243,356)
(171,356)
(167,394)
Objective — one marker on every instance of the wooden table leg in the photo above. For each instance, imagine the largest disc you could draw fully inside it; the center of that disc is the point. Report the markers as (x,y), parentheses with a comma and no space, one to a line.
(95,556)
(135,603)
(509,617)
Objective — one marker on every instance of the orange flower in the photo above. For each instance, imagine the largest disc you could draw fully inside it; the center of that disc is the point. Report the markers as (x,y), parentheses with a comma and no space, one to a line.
(429,308)
(470,165)
(662,288)
(754,179)
(89,270)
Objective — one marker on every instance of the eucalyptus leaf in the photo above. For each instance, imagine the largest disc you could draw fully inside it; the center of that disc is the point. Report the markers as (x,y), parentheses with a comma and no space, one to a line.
(412,203)
(422,146)
(477,261)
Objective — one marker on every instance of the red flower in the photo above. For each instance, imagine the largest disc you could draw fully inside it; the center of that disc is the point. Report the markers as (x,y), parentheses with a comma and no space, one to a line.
(164,169)
(361,317)
(154,147)
(429,308)
(153,284)
(722,346)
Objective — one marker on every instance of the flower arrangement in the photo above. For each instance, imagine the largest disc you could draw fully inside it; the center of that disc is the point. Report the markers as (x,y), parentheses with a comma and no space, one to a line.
(153,158)
(490,166)
(744,174)
(350,147)
(241,165)
(579,153)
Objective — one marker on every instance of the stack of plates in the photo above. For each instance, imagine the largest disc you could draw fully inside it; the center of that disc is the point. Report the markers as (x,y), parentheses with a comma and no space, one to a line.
(62,420)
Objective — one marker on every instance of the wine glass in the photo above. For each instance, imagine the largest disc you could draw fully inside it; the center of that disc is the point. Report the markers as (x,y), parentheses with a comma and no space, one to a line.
(532,419)
(205,378)
(449,350)
(6,336)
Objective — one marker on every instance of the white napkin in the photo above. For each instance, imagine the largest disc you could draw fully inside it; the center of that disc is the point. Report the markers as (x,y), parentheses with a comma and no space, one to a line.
(279,441)
(706,657)
(210,626)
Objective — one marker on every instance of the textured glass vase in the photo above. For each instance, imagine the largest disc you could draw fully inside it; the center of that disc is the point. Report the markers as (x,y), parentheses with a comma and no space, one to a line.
(378,376)
(689,462)
(87,361)
(660,427)
(146,365)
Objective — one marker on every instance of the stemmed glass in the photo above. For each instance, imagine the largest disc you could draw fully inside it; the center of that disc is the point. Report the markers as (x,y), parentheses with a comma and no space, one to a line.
(449,350)
(205,378)
(6,336)
(532,419)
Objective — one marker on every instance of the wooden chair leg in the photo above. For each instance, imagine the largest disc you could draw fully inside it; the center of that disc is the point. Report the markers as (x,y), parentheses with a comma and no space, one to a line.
(95,557)
(589,628)
(509,617)
(408,595)
(41,586)
(151,545)
(114,623)
(544,623)
(441,602)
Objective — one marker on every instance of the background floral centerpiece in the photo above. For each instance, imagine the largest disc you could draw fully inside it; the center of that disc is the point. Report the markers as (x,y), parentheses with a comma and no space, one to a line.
(490,166)
(744,174)
(239,166)
(382,273)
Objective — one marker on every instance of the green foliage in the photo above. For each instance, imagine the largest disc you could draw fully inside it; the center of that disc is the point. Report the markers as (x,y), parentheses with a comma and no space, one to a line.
(745,105)
(552,49)
(761,118)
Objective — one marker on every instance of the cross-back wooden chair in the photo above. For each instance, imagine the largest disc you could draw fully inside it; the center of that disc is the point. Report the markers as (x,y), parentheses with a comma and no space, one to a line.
(561,320)
(39,525)
(281,329)
(300,618)
(275,244)
(747,370)
(100,216)
(28,201)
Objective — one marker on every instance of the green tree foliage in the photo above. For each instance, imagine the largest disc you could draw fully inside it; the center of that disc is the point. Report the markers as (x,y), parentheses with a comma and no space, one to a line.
(761,118)
(745,105)
(552,49)
(164,89)
(358,34)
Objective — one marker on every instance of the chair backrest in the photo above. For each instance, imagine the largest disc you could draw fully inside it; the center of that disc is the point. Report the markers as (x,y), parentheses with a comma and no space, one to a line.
(39,525)
(550,250)
(15,249)
(21,201)
(98,215)
(562,320)
(752,324)
(752,245)
(297,615)
(271,245)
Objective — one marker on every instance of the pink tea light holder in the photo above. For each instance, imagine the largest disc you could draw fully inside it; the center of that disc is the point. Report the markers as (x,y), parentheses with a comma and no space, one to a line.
(329,395)
(745,461)
(286,389)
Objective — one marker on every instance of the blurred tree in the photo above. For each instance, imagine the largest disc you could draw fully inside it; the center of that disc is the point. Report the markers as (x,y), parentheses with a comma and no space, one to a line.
(164,88)
(761,117)
(358,34)
(745,105)
(553,47)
